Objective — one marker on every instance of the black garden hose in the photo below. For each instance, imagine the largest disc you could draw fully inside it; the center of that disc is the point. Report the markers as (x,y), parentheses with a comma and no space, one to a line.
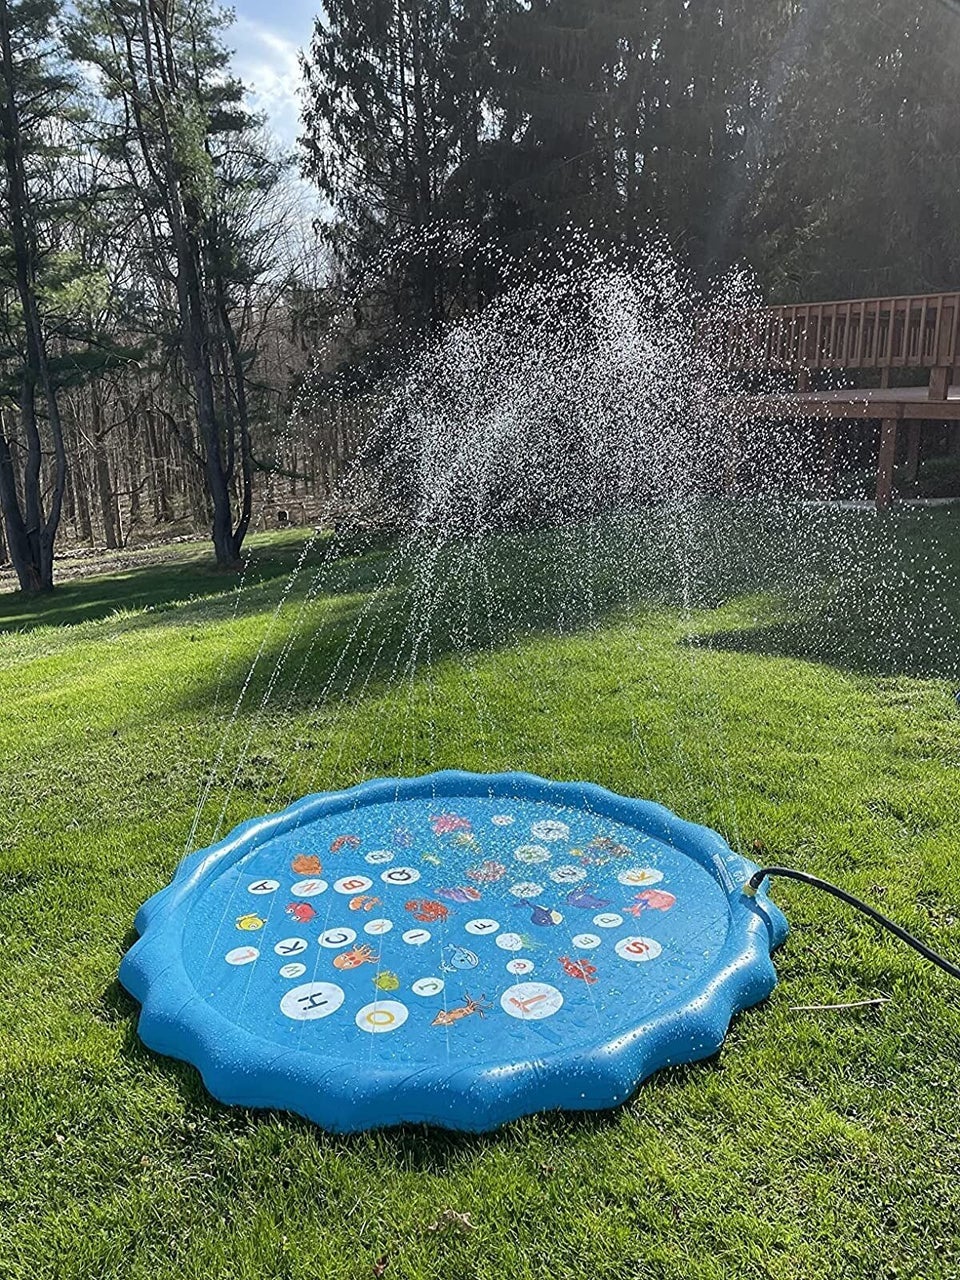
(788,873)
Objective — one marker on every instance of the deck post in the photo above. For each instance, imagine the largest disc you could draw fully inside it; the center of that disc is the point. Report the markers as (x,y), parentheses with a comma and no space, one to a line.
(829,458)
(914,429)
(939,382)
(888,452)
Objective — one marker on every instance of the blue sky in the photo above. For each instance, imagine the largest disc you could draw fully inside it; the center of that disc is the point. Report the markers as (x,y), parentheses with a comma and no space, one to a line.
(267,37)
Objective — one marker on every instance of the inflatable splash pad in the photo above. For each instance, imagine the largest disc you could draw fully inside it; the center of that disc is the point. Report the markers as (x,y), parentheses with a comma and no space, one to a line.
(459,949)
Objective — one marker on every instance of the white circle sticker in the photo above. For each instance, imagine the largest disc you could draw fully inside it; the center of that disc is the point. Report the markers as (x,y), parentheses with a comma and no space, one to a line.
(586,941)
(352,884)
(531,1001)
(482,926)
(416,937)
(377,857)
(308,888)
(638,949)
(567,875)
(376,927)
(291,946)
(503,819)
(550,831)
(519,966)
(428,986)
(509,941)
(336,938)
(295,970)
(381,1016)
(531,853)
(242,955)
(526,889)
(400,875)
(312,1000)
(607,920)
(640,876)
(263,886)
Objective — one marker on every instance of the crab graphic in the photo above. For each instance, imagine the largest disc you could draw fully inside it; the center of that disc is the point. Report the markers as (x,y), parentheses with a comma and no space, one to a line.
(428,911)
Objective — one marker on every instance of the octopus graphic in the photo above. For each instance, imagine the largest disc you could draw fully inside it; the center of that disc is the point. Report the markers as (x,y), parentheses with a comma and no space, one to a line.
(354,958)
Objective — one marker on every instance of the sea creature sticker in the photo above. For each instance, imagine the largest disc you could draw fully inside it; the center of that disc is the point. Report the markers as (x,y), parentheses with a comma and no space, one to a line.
(448,824)
(250,921)
(306,864)
(427,910)
(363,902)
(344,842)
(460,893)
(355,957)
(386,980)
(402,838)
(651,899)
(586,901)
(545,916)
(302,912)
(581,969)
(487,872)
(456,959)
(449,1017)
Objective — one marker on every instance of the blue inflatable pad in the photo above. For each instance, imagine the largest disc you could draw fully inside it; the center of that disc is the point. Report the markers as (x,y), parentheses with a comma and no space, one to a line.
(459,948)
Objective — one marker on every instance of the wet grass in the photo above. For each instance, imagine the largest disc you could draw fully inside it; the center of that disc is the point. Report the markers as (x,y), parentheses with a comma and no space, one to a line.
(820,1143)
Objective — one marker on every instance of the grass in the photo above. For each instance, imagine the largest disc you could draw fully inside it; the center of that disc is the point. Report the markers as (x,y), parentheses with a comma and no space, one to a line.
(802,698)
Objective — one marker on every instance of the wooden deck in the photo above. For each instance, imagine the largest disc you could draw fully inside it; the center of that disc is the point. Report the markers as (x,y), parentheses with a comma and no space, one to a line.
(913,331)
(902,403)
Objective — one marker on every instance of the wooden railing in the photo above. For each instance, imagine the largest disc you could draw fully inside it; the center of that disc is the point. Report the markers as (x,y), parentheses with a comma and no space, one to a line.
(914,331)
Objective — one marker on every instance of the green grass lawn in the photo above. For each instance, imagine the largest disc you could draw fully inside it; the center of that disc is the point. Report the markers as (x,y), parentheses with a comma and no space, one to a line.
(789,681)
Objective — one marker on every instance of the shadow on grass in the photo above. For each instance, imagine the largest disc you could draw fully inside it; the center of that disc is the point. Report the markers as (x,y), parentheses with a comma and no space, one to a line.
(856,645)
(154,586)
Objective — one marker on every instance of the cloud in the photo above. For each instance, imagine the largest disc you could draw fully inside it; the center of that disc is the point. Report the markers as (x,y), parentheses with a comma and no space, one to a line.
(269,65)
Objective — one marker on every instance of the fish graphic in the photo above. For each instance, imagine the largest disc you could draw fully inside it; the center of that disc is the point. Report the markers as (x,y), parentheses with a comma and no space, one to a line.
(386,980)
(586,900)
(250,921)
(543,915)
(462,893)
(456,958)
(302,912)
(402,837)
(655,899)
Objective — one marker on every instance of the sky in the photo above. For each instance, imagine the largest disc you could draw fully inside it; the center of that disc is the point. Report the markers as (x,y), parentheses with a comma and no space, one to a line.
(267,37)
